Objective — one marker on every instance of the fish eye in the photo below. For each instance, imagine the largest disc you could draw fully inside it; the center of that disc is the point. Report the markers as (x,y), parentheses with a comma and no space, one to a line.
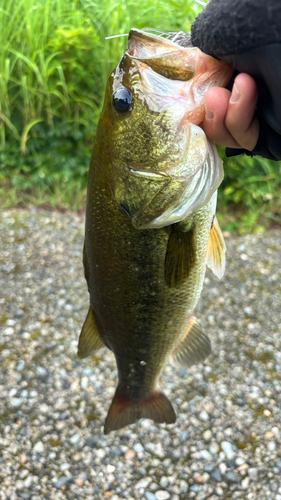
(123,100)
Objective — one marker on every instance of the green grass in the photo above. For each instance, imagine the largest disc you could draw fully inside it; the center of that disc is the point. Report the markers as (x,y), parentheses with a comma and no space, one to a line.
(249,199)
(54,64)
(53,174)
(55,61)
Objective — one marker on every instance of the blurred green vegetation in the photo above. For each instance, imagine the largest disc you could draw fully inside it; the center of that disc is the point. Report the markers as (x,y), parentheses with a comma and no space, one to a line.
(249,198)
(54,64)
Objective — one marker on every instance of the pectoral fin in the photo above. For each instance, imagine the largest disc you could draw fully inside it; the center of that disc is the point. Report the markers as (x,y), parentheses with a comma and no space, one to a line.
(180,256)
(216,250)
(90,339)
(193,348)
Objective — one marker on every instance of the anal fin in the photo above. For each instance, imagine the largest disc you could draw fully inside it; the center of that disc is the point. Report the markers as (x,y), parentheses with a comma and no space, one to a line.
(124,411)
(180,256)
(216,250)
(193,348)
(90,339)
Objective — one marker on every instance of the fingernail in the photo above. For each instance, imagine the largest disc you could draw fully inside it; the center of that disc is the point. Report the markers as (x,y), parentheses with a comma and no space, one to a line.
(234,95)
(209,114)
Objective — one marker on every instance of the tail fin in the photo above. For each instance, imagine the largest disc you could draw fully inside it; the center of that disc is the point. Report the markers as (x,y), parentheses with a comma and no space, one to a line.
(125,411)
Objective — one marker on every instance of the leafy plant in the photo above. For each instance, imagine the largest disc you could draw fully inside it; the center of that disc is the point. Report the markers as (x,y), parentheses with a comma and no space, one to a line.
(249,196)
(54,173)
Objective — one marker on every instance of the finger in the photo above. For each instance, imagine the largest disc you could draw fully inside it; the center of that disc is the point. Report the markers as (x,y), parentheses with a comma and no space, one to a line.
(240,120)
(216,105)
(230,118)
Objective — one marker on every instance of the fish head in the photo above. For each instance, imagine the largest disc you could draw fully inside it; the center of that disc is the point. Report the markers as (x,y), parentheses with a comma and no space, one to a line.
(161,167)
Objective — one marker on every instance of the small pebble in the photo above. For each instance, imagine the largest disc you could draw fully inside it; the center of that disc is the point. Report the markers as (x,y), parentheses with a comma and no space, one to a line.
(63,481)
(84,383)
(129,455)
(11,322)
(228,450)
(222,467)
(149,496)
(16,402)
(23,473)
(183,486)
(41,371)
(138,448)
(214,448)
(231,477)
(110,468)
(253,473)
(64,466)
(75,439)
(204,416)
(9,331)
(162,495)
(245,483)
(33,394)
(207,435)
(239,461)
(271,445)
(28,482)
(269,435)
(216,475)
(194,488)
(39,447)
(164,482)
(206,455)
(143,483)
(100,453)
(219,491)
(21,365)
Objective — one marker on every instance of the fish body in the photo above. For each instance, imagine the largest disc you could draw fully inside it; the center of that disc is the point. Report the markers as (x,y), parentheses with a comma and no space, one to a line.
(150,221)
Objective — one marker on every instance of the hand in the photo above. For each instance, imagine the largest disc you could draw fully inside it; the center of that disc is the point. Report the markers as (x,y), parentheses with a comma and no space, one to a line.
(230,116)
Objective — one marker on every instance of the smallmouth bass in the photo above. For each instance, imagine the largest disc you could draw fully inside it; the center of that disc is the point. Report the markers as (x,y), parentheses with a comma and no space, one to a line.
(150,220)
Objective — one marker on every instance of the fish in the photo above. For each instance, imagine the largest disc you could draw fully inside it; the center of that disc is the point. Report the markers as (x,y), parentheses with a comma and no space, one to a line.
(150,227)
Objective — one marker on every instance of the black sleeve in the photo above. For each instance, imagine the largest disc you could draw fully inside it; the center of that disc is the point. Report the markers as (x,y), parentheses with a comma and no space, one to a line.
(247,34)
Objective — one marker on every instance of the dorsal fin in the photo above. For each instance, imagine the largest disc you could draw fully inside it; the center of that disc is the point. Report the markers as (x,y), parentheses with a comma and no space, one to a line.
(90,339)
(180,256)
(216,250)
(193,348)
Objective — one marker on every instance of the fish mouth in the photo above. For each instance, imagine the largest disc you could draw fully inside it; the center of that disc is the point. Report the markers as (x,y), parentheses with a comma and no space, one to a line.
(173,56)
(168,76)
(163,55)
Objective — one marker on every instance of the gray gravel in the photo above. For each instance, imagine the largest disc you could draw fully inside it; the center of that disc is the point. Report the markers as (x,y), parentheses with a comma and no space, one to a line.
(226,441)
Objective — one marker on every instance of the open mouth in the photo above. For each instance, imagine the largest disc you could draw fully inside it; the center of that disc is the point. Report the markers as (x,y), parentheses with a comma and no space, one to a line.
(164,56)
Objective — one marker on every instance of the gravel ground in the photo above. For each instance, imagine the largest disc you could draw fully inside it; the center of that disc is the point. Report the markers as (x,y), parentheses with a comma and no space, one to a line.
(226,441)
